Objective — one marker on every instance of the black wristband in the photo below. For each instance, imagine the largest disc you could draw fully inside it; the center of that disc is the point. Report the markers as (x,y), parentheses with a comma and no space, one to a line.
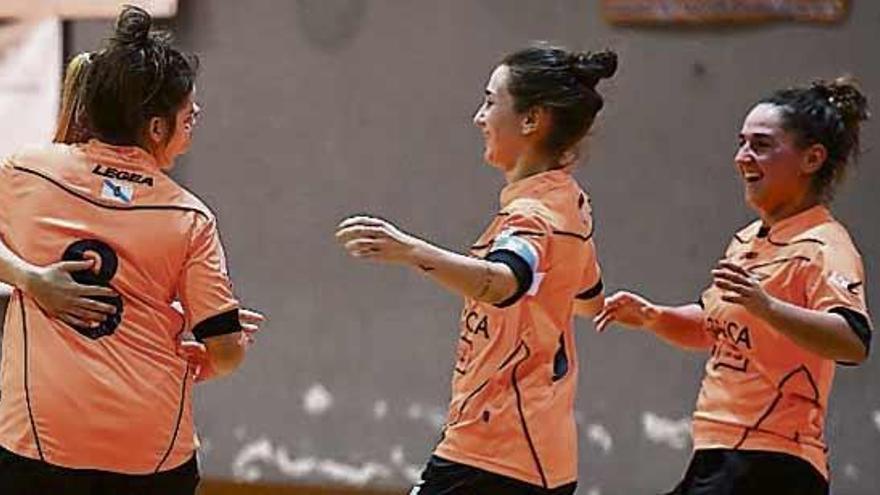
(591,292)
(221,324)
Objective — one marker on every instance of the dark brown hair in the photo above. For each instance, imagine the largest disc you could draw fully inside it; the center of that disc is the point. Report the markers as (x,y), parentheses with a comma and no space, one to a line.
(826,113)
(137,76)
(563,82)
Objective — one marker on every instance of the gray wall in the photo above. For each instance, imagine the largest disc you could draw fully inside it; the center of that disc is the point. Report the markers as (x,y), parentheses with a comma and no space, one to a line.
(315,109)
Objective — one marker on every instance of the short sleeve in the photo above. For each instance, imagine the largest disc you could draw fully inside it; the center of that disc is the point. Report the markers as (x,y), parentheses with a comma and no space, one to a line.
(591,280)
(6,197)
(522,245)
(834,282)
(205,290)
(835,278)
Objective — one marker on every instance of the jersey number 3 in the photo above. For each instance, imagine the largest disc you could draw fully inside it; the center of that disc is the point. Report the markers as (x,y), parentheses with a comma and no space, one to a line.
(106,264)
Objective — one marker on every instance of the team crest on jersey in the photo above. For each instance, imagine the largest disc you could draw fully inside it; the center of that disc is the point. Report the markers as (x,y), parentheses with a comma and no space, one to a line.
(115,191)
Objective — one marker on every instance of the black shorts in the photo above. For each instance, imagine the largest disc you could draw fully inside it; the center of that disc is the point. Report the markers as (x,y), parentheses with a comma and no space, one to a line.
(442,477)
(749,472)
(23,476)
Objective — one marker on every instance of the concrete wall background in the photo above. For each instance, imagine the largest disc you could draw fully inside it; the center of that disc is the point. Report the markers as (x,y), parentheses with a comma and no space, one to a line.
(315,109)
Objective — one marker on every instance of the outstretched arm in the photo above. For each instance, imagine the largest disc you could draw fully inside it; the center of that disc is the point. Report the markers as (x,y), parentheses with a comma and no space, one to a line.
(54,289)
(681,326)
(374,239)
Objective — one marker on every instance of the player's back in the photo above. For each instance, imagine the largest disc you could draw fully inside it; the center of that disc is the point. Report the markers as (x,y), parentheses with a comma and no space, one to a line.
(74,396)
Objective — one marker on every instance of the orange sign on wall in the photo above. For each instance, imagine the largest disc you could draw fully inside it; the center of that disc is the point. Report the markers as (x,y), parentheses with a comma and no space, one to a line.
(721,11)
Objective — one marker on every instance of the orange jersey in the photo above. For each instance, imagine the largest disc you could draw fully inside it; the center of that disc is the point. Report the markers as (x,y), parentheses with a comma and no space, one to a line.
(762,391)
(514,382)
(117,397)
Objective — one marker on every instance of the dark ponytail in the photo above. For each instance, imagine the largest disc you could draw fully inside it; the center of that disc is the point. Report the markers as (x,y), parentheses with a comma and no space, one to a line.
(563,82)
(826,113)
(137,76)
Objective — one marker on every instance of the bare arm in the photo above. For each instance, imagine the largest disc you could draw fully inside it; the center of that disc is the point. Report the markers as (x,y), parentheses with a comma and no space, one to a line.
(825,334)
(53,288)
(217,356)
(589,308)
(14,271)
(681,326)
(375,239)
(224,354)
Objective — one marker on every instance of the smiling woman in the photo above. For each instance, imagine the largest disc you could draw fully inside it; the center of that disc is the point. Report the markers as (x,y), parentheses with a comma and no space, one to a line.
(510,427)
(787,302)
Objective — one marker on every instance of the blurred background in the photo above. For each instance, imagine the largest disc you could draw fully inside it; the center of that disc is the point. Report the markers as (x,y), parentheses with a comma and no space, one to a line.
(317,109)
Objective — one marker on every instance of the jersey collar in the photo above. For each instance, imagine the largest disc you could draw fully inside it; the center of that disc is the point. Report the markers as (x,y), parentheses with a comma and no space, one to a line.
(785,230)
(130,157)
(534,185)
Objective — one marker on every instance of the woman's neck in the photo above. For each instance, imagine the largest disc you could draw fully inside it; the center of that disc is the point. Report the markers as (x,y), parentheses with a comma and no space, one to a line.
(789,209)
(528,164)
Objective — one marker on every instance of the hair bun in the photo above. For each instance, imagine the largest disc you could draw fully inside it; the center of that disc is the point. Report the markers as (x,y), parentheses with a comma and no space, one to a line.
(844,95)
(593,67)
(133,26)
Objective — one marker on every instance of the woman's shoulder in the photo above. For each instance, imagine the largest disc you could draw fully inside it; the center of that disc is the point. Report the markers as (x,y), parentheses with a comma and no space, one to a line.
(40,156)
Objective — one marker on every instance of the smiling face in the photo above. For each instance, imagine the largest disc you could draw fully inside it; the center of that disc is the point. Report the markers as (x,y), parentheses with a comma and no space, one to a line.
(776,171)
(503,130)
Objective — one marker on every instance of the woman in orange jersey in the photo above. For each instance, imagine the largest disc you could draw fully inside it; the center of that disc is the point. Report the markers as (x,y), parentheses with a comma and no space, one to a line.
(106,408)
(58,293)
(510,427)
(52,286)
(787,302)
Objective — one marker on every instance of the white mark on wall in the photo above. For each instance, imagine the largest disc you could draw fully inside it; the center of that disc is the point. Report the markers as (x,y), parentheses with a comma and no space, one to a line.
(432,415)
(294,468)
(397,454)
(674,433)
(317,400)
(204,446)
(380,409)
(352,474)
(411,472)
(594,491)
(255,456)
(239,433)
(599,435)
(851,472)
(877,419)
(246,465)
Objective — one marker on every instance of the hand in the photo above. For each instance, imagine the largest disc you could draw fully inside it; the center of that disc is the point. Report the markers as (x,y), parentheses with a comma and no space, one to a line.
(375,239)
(250,324)
(55,291)
(629,309)
(741,287)
(195,352)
